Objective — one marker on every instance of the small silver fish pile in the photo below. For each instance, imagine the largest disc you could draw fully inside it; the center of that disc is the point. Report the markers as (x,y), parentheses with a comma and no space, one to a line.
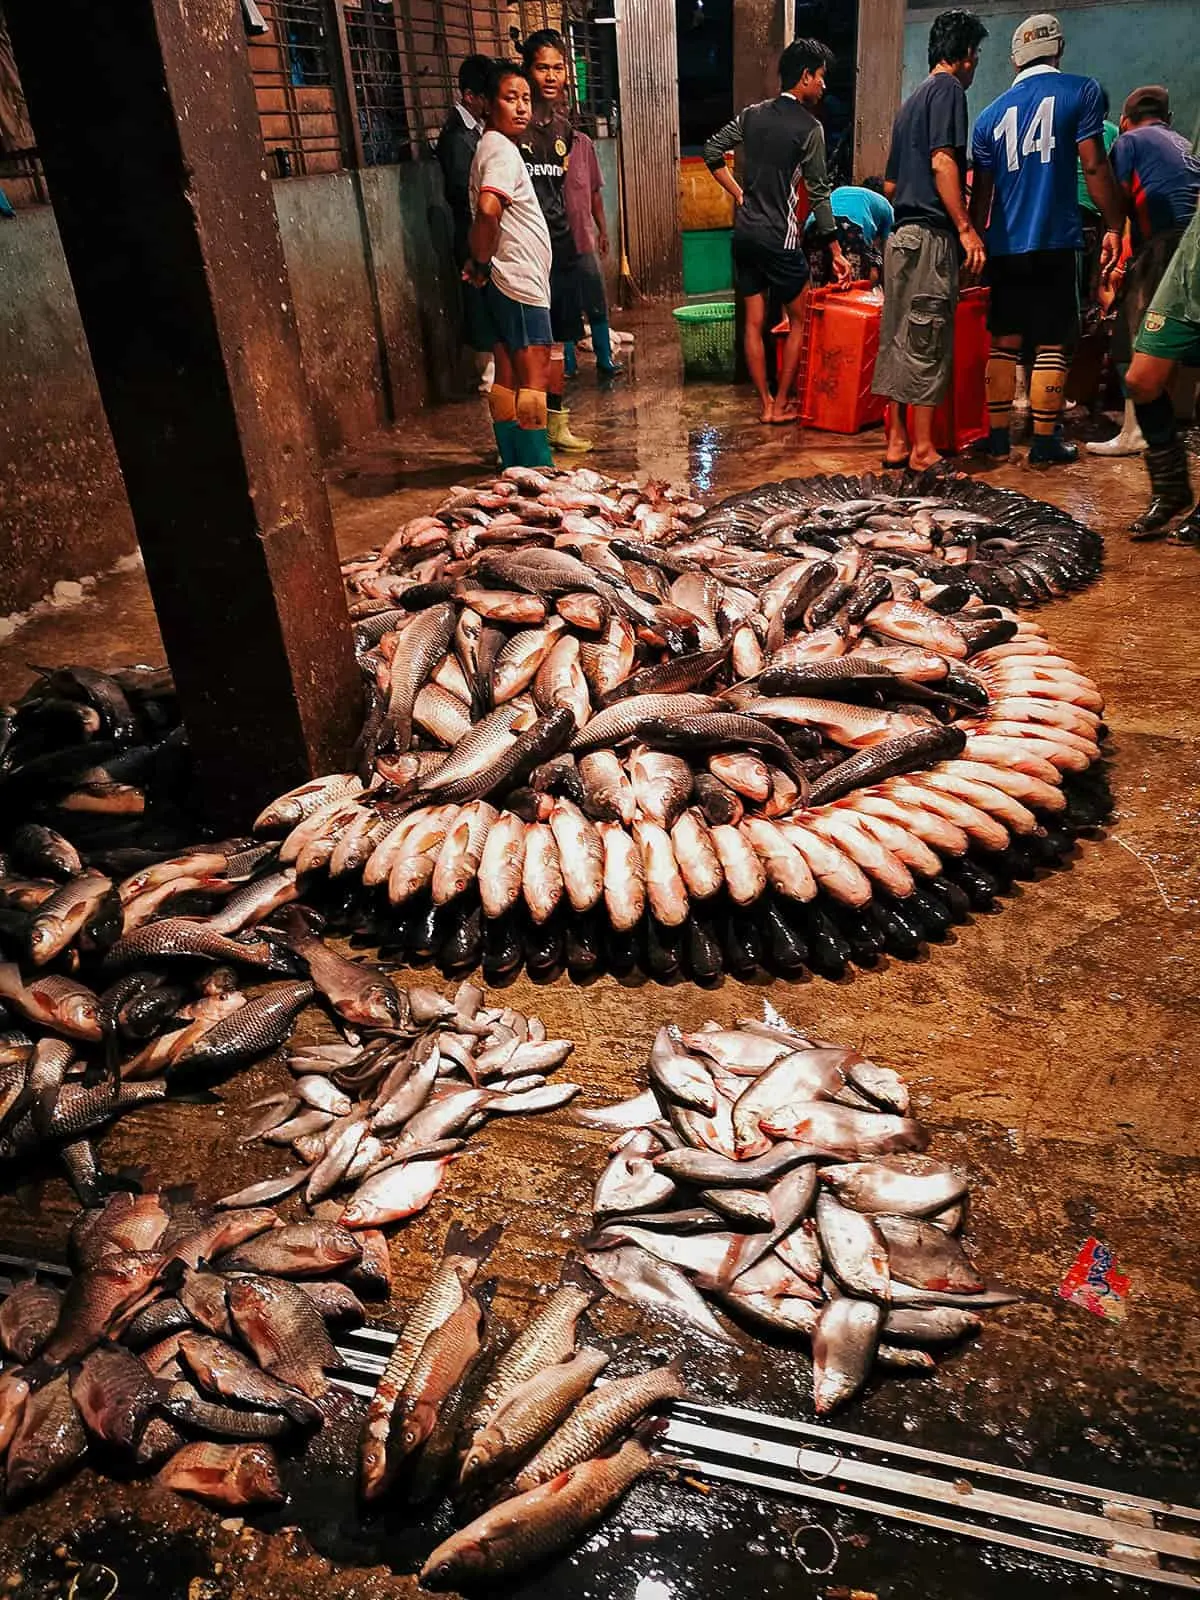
(1006,548)
(784,1178)
(526,1430)
(385,1120)
(586,747)
(188,1340)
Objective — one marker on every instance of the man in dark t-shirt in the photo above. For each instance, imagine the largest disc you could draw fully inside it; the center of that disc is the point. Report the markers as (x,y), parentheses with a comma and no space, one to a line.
(784,182)
(924,181)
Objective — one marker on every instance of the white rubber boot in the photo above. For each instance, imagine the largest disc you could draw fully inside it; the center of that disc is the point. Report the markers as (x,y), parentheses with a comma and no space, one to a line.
(1128,442)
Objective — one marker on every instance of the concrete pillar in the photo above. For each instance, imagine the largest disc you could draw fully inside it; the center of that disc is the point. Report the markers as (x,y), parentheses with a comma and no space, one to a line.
(174,251)
(877,92)
(761,30)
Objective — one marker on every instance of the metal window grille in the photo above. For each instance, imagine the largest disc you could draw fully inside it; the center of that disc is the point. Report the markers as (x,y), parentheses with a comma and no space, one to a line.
(293,64)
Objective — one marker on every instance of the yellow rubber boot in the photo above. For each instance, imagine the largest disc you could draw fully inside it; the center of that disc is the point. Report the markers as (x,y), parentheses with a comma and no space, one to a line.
(558,425)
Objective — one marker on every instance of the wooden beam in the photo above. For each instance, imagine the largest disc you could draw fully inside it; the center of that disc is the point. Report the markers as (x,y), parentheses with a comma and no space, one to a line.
(877,88)
(648,68)
(761,30)
(183,292)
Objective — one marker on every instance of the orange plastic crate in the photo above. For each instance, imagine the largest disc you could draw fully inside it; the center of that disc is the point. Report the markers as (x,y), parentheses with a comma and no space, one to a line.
(841,340)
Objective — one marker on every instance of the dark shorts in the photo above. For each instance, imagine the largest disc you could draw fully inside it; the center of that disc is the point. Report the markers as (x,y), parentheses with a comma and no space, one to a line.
(762,268)
(1035,295)
(916,332)
(566,301)
(591,288)
(477,326)
(516,326)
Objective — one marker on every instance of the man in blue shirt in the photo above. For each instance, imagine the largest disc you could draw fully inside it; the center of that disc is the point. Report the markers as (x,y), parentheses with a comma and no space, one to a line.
(1024,151)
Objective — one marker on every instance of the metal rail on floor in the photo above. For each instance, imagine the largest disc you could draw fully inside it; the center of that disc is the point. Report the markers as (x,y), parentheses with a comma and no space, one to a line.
(1100,1529)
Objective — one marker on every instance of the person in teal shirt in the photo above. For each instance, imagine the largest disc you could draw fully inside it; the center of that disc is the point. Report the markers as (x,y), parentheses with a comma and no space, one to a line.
(864,220)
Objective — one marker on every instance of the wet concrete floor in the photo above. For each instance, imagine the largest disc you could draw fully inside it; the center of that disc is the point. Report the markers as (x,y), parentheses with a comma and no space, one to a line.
(1053,1048)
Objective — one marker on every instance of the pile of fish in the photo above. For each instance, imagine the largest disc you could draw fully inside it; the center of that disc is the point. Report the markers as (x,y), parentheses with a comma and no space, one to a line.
(1007,549)
(100,756)
(384,1119)
(189,1339)
(783,1177)
(525,1432)
(607,728)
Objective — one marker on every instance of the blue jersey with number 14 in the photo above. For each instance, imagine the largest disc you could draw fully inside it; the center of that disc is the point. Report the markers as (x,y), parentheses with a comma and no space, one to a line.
(1028,140)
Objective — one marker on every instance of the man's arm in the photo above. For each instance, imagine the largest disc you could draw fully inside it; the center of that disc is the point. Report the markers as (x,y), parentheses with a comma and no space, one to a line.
(455,155)
(889,189)
(600,220)
(948,183)
(981,198)
(816,181)
(1105,196)
(484,235)
(716,148)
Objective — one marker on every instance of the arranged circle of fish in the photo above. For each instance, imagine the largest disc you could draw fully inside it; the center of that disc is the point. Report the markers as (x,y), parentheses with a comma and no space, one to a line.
(189,1340)
(1002,546)
(522,1430)
(783,1178)
(609,728)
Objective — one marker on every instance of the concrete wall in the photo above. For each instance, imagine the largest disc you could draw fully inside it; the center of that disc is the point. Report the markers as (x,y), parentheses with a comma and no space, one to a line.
(63,512)
(376,295)
(1122,43)
(370,263)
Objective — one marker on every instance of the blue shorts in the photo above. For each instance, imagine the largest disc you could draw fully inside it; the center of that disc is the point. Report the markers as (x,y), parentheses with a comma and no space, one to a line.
(514,325)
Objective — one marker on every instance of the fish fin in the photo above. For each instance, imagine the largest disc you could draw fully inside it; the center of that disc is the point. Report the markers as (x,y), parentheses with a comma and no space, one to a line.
(196,1095)
(38,1372)
(170,1279)
(460,1243)
(575,1275)
(773,1017)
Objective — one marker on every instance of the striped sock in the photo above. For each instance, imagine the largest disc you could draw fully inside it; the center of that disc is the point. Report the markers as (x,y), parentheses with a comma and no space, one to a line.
(1047,389)
(1001,385)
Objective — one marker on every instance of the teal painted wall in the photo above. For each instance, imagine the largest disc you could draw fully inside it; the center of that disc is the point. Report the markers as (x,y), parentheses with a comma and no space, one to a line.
(1121,44)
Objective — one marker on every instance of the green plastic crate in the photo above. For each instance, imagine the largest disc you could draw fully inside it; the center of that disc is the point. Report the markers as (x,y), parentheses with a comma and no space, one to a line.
(707,261)
(706,335)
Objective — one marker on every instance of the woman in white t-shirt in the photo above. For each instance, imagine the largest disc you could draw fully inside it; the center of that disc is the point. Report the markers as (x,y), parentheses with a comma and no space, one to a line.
(510,263)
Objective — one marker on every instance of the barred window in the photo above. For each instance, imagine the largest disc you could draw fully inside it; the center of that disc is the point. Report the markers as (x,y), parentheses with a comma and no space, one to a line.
(292,64)
(342,81)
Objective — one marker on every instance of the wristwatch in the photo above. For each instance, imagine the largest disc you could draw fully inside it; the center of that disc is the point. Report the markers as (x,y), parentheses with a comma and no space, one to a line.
(483,268)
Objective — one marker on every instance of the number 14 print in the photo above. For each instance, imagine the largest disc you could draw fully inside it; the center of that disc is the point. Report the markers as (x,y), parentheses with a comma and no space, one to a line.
(1039,134)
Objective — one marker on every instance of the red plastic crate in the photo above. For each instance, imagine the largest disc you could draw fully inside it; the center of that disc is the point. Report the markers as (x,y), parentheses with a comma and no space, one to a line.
(837,364)
(962,417)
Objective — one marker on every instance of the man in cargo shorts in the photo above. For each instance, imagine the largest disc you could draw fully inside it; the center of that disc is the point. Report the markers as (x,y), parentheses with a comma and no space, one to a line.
(1169,336)
(924,181)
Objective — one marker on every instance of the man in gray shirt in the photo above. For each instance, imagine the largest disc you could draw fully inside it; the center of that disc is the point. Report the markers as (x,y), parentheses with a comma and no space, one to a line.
(784,182)
(925,181)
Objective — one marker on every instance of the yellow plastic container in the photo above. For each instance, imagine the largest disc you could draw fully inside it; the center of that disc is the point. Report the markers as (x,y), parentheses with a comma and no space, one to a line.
(703,204)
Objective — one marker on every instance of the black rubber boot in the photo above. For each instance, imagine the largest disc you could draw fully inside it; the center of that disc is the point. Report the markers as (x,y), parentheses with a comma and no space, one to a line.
(1187,531)
(1170,489)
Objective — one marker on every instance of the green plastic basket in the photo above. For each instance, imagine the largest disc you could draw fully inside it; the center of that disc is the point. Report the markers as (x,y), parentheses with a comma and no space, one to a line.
(707,339)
